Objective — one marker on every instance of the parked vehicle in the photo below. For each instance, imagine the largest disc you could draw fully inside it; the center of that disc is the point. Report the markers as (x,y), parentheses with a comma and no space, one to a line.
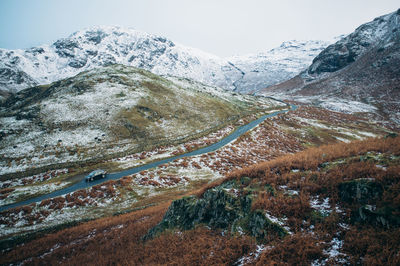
(96,174)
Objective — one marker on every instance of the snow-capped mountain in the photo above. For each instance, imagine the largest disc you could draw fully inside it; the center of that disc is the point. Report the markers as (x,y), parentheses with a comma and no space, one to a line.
(277,65)
(102,46)
(362,69)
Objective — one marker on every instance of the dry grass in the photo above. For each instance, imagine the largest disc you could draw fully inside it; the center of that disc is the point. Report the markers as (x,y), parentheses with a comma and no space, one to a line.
(310,159)
(313,172)
(297,249)
(375,245)
(117,240)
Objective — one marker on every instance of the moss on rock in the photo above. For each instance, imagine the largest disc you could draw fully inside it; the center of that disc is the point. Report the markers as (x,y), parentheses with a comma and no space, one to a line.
(220,207)
(360,191)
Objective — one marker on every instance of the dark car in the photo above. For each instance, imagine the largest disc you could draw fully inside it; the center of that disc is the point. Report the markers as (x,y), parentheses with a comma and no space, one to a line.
(96,174)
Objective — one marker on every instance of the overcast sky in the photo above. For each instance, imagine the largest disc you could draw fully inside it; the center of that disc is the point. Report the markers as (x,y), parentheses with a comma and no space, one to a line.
(222,27)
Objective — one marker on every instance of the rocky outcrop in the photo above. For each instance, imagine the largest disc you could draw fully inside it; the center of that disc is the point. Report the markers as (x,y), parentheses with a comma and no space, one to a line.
(220,207)
(360,191)
(365,199)
(349,49)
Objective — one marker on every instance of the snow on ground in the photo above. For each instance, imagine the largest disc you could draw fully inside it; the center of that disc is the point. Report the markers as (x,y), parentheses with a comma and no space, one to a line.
(333,253)
(330,103)
(95,107)
(351,133)
(34,179)
(342,139)
(38,216)
(253,256)
(347,106)
(314,123)
(261,144)
(179,174)
(333,250)
(136,159)
(77,123)
(99,101)
(224,94)
(279,221)
(29,191)
(322,206)
(337,104)
(290,192)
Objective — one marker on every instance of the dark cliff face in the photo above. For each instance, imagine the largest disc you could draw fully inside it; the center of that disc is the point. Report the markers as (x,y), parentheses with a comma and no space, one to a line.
(330,60)
(378,32)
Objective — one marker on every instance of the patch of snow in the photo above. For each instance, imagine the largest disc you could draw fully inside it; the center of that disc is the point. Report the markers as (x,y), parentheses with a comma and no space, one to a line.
(381,167)
(347,106)
(278,221)
(342,139)
(344,226)
(322,206)
(26,191)
(252,256)
(290,192)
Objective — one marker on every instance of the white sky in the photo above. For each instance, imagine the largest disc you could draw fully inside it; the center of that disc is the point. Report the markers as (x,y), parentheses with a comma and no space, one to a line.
(222,27)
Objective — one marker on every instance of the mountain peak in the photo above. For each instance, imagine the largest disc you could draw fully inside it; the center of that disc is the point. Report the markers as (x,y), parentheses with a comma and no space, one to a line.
(106,45)
(96,34)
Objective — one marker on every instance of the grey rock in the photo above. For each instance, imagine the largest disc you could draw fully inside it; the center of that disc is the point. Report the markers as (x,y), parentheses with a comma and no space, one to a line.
(218,208)
(361,191)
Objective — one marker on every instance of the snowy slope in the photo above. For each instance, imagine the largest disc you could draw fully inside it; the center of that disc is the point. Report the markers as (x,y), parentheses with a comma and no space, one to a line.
(277,65)
(102,46)
(111,110)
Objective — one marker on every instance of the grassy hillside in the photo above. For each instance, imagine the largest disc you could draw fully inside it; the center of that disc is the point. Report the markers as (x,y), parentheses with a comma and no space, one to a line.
(335,204)
(109,111)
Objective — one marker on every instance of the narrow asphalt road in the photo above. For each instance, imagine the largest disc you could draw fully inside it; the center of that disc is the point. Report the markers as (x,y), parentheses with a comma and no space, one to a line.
(213,147)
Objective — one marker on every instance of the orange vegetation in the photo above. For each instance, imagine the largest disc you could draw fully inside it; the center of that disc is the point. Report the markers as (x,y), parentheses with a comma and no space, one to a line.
(314,174)
(117,240)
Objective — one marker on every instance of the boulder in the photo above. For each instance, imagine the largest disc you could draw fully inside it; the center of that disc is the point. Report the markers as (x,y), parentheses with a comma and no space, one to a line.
(360,191)
(220,207)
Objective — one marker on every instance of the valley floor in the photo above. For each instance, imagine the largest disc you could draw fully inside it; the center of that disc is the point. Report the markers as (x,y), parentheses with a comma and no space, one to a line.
(145,197)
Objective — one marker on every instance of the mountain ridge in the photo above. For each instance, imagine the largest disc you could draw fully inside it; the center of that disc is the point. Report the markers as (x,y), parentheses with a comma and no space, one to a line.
(362,68)
(104,45)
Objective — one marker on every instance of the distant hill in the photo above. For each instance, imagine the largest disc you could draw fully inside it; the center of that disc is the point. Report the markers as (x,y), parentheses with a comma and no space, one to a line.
(110,110)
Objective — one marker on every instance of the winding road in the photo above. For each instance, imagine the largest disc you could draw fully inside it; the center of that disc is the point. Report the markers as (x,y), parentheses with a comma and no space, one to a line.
(213,147)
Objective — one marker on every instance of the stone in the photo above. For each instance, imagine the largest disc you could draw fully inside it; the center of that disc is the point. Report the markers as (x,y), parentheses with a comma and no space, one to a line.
(218,208)
(360,190)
